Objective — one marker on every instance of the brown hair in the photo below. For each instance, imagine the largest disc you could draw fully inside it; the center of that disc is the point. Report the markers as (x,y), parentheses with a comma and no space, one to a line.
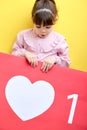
(44,12)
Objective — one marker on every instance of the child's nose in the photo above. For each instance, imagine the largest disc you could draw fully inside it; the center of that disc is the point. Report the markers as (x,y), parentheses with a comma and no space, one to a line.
(43,29)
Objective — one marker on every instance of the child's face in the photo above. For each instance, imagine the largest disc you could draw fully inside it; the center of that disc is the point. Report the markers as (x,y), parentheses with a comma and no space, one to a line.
(42,31)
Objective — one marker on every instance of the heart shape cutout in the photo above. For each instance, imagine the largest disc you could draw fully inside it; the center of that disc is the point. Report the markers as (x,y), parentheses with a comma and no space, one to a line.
(29,100)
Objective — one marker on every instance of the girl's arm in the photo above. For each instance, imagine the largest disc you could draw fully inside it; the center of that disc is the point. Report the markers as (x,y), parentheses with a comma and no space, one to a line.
(62,57)
(18,47)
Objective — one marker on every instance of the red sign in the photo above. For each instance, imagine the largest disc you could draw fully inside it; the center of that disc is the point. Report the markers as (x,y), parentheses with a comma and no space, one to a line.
(34,100)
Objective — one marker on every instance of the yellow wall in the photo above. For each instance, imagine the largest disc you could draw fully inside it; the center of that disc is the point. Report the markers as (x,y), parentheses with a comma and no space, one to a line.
(16,15)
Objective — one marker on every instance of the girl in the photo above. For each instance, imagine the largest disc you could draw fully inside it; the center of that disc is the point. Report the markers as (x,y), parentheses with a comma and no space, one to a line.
(41,43)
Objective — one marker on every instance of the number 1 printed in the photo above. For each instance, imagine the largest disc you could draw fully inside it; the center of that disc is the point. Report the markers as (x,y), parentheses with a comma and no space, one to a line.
(72,111)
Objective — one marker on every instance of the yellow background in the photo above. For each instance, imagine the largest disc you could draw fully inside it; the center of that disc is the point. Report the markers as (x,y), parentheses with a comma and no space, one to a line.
(15,15)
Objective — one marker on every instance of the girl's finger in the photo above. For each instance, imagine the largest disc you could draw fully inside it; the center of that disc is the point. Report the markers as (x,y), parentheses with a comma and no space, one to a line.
(43,66)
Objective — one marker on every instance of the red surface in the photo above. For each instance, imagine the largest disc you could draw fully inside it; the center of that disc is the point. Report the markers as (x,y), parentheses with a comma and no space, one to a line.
(65,82)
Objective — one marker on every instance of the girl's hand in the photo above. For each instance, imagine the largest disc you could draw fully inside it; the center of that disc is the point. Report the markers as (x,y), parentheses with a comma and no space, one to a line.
(32,58)
(48,63)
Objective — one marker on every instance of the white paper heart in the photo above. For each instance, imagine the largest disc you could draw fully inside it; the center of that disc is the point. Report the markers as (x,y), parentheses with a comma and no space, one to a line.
(29,100)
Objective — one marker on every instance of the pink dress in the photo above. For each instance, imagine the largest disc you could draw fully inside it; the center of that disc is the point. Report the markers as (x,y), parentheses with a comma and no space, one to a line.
(52,45)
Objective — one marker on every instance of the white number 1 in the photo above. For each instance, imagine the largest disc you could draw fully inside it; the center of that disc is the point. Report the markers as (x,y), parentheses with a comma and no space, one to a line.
(72,111)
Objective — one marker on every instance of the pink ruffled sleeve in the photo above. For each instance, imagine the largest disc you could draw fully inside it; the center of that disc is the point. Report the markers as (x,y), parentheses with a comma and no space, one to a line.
(18,47)
(62,57)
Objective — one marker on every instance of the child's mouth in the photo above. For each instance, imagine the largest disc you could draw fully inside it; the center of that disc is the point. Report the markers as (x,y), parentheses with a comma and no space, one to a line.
(42,36)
